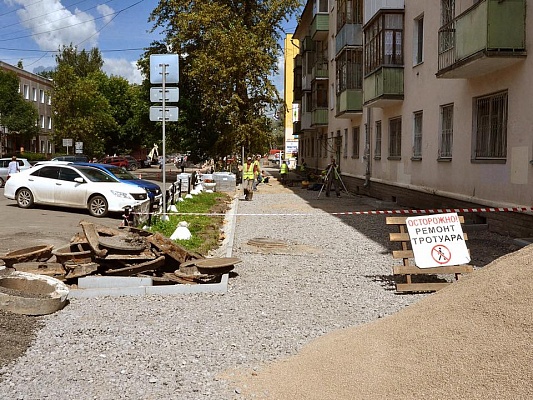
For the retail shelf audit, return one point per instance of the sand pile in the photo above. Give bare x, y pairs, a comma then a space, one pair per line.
471, 340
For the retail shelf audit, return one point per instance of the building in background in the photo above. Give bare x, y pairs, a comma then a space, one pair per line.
423, 103
36, 90
291, 140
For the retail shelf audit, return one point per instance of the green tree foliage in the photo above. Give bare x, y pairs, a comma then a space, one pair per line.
81, 111
16, 114
229, 50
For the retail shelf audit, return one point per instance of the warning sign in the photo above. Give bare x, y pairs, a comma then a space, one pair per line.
437, 240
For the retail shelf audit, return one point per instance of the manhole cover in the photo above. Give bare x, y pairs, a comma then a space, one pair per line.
267, 243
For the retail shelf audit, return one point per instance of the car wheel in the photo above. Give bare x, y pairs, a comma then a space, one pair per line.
98, 206
24, 198
2, 183
133, 167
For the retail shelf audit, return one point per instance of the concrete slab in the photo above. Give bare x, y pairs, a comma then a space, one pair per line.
93, 282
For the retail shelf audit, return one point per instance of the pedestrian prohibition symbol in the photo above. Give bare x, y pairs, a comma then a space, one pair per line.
437, 240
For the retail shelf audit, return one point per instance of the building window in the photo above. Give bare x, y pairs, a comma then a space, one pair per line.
349, 72
377, 146
26, 90
356, 133
319, 94
446, 131
49, 99
41, 118
417, 135
349, 12
490, 127
384, 42
41, 96
320, 6
395, 138
49, 122
447, 11
418, 40
34, 94
345, 144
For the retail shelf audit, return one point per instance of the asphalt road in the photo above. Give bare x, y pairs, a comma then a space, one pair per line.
21, 228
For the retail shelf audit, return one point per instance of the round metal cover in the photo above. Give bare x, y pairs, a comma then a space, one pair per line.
267, 242
121, 243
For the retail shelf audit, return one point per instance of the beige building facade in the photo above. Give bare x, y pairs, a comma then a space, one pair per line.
424, 103
36, 90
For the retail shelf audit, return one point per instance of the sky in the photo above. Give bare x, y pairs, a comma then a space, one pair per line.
33, 30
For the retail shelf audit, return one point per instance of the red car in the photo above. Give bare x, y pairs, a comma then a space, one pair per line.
118, 161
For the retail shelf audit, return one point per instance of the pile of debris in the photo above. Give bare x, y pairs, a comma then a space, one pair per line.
128, 251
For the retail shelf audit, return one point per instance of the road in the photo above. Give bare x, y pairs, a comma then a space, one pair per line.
40, 225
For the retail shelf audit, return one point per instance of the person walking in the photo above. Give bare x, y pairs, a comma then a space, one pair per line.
248, 177
284, 172
13, 167
257, 172
333, 178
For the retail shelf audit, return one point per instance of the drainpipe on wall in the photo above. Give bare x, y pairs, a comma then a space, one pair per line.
367, 146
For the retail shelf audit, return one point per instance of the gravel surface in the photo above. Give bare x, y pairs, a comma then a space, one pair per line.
334, 272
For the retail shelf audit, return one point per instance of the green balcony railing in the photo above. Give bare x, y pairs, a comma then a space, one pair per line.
319, 116
349, 101
320, 27
490, 28
384, 84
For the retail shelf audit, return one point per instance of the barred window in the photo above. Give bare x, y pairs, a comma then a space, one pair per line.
356, 134
446, 131
490, 126
395, 137
417, 135
349, 12
377, 147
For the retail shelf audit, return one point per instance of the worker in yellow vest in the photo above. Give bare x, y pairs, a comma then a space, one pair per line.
284, 172
248, 177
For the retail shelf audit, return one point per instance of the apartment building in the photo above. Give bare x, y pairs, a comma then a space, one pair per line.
425, 103
36, 90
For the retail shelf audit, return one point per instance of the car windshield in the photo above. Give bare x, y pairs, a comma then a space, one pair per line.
96, 175
122, 174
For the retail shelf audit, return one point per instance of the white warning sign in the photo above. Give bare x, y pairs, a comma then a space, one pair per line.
437, 240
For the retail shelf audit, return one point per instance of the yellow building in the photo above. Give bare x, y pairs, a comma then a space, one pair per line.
291, 141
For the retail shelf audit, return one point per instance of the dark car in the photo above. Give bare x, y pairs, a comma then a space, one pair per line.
118, 161
133, 164
154, 191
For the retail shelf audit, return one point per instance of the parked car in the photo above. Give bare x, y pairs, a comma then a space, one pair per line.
75, 186
119, 161
154, 191
4, 162
78, 157
132, 163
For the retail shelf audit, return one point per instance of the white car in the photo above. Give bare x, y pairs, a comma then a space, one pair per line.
4, 162
75, 186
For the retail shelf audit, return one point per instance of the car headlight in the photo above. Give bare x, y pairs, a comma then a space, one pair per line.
123, 195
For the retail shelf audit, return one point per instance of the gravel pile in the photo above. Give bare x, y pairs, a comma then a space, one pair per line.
334, 272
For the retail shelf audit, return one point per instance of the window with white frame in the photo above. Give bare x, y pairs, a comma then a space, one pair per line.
384, 41
34, 94
41, 118
41, 96
395, 138
418, 48
490, 127
49, 125
356, 134
377, 145
417, 135
26, 90
446, 131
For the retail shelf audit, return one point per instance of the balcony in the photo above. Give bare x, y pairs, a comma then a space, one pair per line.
319, 117
349, 103
320, 27
307, 44
349, 35
384, 87
320, 70
489, 36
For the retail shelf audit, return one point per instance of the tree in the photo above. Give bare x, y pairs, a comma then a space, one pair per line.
81, 111
229, 50
16, 114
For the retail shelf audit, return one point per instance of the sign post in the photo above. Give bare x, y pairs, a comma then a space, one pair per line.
437, 240
169, 66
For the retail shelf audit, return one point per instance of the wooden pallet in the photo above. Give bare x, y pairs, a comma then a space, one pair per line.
409, 269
